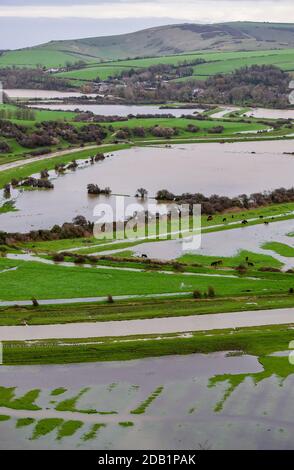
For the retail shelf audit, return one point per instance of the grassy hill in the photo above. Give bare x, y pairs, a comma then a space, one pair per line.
159, 41
215, 62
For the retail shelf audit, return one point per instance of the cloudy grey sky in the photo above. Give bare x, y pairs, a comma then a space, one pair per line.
29, 22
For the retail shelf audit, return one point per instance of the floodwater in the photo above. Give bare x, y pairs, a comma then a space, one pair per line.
119, 109
194, 408
271, 113
44, 94
217, 321
227, 169
227, 243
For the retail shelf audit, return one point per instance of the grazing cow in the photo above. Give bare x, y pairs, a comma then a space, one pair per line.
144, 256
266, 223
224, 220
250, 263
209, 218
244, 222
261, 216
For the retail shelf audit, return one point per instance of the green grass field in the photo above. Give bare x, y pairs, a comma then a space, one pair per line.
140, 309
216, 62
33, 279
44, 57
259, 341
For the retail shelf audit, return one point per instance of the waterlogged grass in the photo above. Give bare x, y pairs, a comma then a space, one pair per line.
8, 206
63, 428
258, 341
243, 257
25, 402
137, 309
92, 434
58, 391
4, 418
126, 424
24, 422
70, 403
279, 367
46, 426
280, 248
141, 409
68, 428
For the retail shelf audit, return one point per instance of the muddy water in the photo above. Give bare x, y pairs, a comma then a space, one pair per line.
148, 326
184, 415
119, 109
228, 243
44, 94
271, 113
228, 169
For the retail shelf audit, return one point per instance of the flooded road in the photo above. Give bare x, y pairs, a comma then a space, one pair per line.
149, 326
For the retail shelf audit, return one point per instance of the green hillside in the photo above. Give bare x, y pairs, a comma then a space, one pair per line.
220, 62
159, 41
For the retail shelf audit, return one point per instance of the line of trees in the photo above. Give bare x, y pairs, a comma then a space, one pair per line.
218, 204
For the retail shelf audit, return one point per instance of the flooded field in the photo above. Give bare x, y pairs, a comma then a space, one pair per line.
44, 94
161, 403
228, 169
119, 109
271, 113
228, 243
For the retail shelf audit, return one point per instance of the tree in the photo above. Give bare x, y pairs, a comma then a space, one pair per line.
142, 193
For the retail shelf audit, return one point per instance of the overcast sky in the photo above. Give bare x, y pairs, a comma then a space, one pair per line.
29, 22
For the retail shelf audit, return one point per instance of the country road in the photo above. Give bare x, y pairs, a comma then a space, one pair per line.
19, 163
148, 326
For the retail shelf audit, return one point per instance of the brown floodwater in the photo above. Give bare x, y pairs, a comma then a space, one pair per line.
224, 169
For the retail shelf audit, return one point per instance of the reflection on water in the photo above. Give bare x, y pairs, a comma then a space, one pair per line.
229, 169
218, 401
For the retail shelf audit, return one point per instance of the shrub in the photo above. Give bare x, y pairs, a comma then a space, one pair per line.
197, 294
210, 292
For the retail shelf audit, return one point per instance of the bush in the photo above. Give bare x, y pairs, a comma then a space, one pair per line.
210, 292
58, 257
197, 294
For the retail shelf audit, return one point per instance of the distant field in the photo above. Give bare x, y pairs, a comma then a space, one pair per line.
216, 62
44, 57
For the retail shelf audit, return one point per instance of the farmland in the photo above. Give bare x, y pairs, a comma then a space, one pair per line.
221, 62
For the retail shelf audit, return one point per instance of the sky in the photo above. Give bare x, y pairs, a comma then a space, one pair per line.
30, 22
